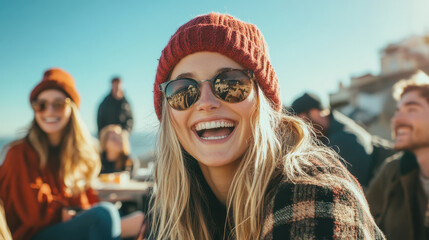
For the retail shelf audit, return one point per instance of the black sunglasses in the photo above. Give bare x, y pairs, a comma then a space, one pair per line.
57, 105
231, 85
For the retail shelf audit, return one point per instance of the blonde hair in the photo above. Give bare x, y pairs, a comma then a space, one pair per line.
282, 148
126, 149
418, 82
115, 128
4, 230
80, 162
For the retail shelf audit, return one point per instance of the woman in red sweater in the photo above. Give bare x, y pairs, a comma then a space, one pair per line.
46, 177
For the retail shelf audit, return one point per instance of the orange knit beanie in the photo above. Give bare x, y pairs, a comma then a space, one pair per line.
56, 78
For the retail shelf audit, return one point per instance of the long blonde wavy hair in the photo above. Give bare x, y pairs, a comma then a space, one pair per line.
282, 146
80, 162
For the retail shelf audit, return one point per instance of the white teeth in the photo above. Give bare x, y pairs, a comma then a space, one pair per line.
401, 130
214, 124
51, 119
214, 138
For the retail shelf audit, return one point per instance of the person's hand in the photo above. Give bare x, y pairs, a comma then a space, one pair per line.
68, 213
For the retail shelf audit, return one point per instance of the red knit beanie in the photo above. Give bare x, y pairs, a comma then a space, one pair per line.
56, 78
240, 41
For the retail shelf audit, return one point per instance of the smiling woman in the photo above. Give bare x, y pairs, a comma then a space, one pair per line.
230, 164
46, 177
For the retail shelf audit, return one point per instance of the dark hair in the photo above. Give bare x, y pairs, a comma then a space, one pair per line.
116, 79
305, 103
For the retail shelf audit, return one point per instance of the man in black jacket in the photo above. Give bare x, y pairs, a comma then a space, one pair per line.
115, 108
362, 152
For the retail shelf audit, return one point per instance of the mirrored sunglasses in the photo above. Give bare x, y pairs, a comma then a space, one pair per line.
231, 85
57, 105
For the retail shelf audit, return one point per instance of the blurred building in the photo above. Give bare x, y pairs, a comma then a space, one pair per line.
368, 100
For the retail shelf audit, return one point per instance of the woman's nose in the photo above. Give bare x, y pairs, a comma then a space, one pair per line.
207, 101
50, 108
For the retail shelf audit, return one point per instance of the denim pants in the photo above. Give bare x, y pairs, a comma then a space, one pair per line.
99, 222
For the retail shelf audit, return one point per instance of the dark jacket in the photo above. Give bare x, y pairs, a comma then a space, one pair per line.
362, 153
113, 111
127, 163
394, 195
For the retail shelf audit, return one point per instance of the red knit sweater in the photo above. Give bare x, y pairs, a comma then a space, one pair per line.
33, 197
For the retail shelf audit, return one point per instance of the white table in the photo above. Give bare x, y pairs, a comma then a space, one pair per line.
129, 191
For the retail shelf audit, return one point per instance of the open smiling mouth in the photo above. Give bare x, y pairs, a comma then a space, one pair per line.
214, 130
51, 119
402, 130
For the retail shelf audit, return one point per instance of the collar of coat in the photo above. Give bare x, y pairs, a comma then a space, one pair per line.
407, 163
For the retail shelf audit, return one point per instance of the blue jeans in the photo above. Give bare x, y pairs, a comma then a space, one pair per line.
99, 222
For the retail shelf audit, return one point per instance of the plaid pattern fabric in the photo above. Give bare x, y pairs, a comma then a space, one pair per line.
322, 208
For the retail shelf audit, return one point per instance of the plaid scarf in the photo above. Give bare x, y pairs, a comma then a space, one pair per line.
320, 207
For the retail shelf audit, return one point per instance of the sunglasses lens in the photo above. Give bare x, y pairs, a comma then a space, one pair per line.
233, 86
58, 105
38, 106
182, 93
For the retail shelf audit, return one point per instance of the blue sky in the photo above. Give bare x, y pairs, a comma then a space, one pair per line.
314, 44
